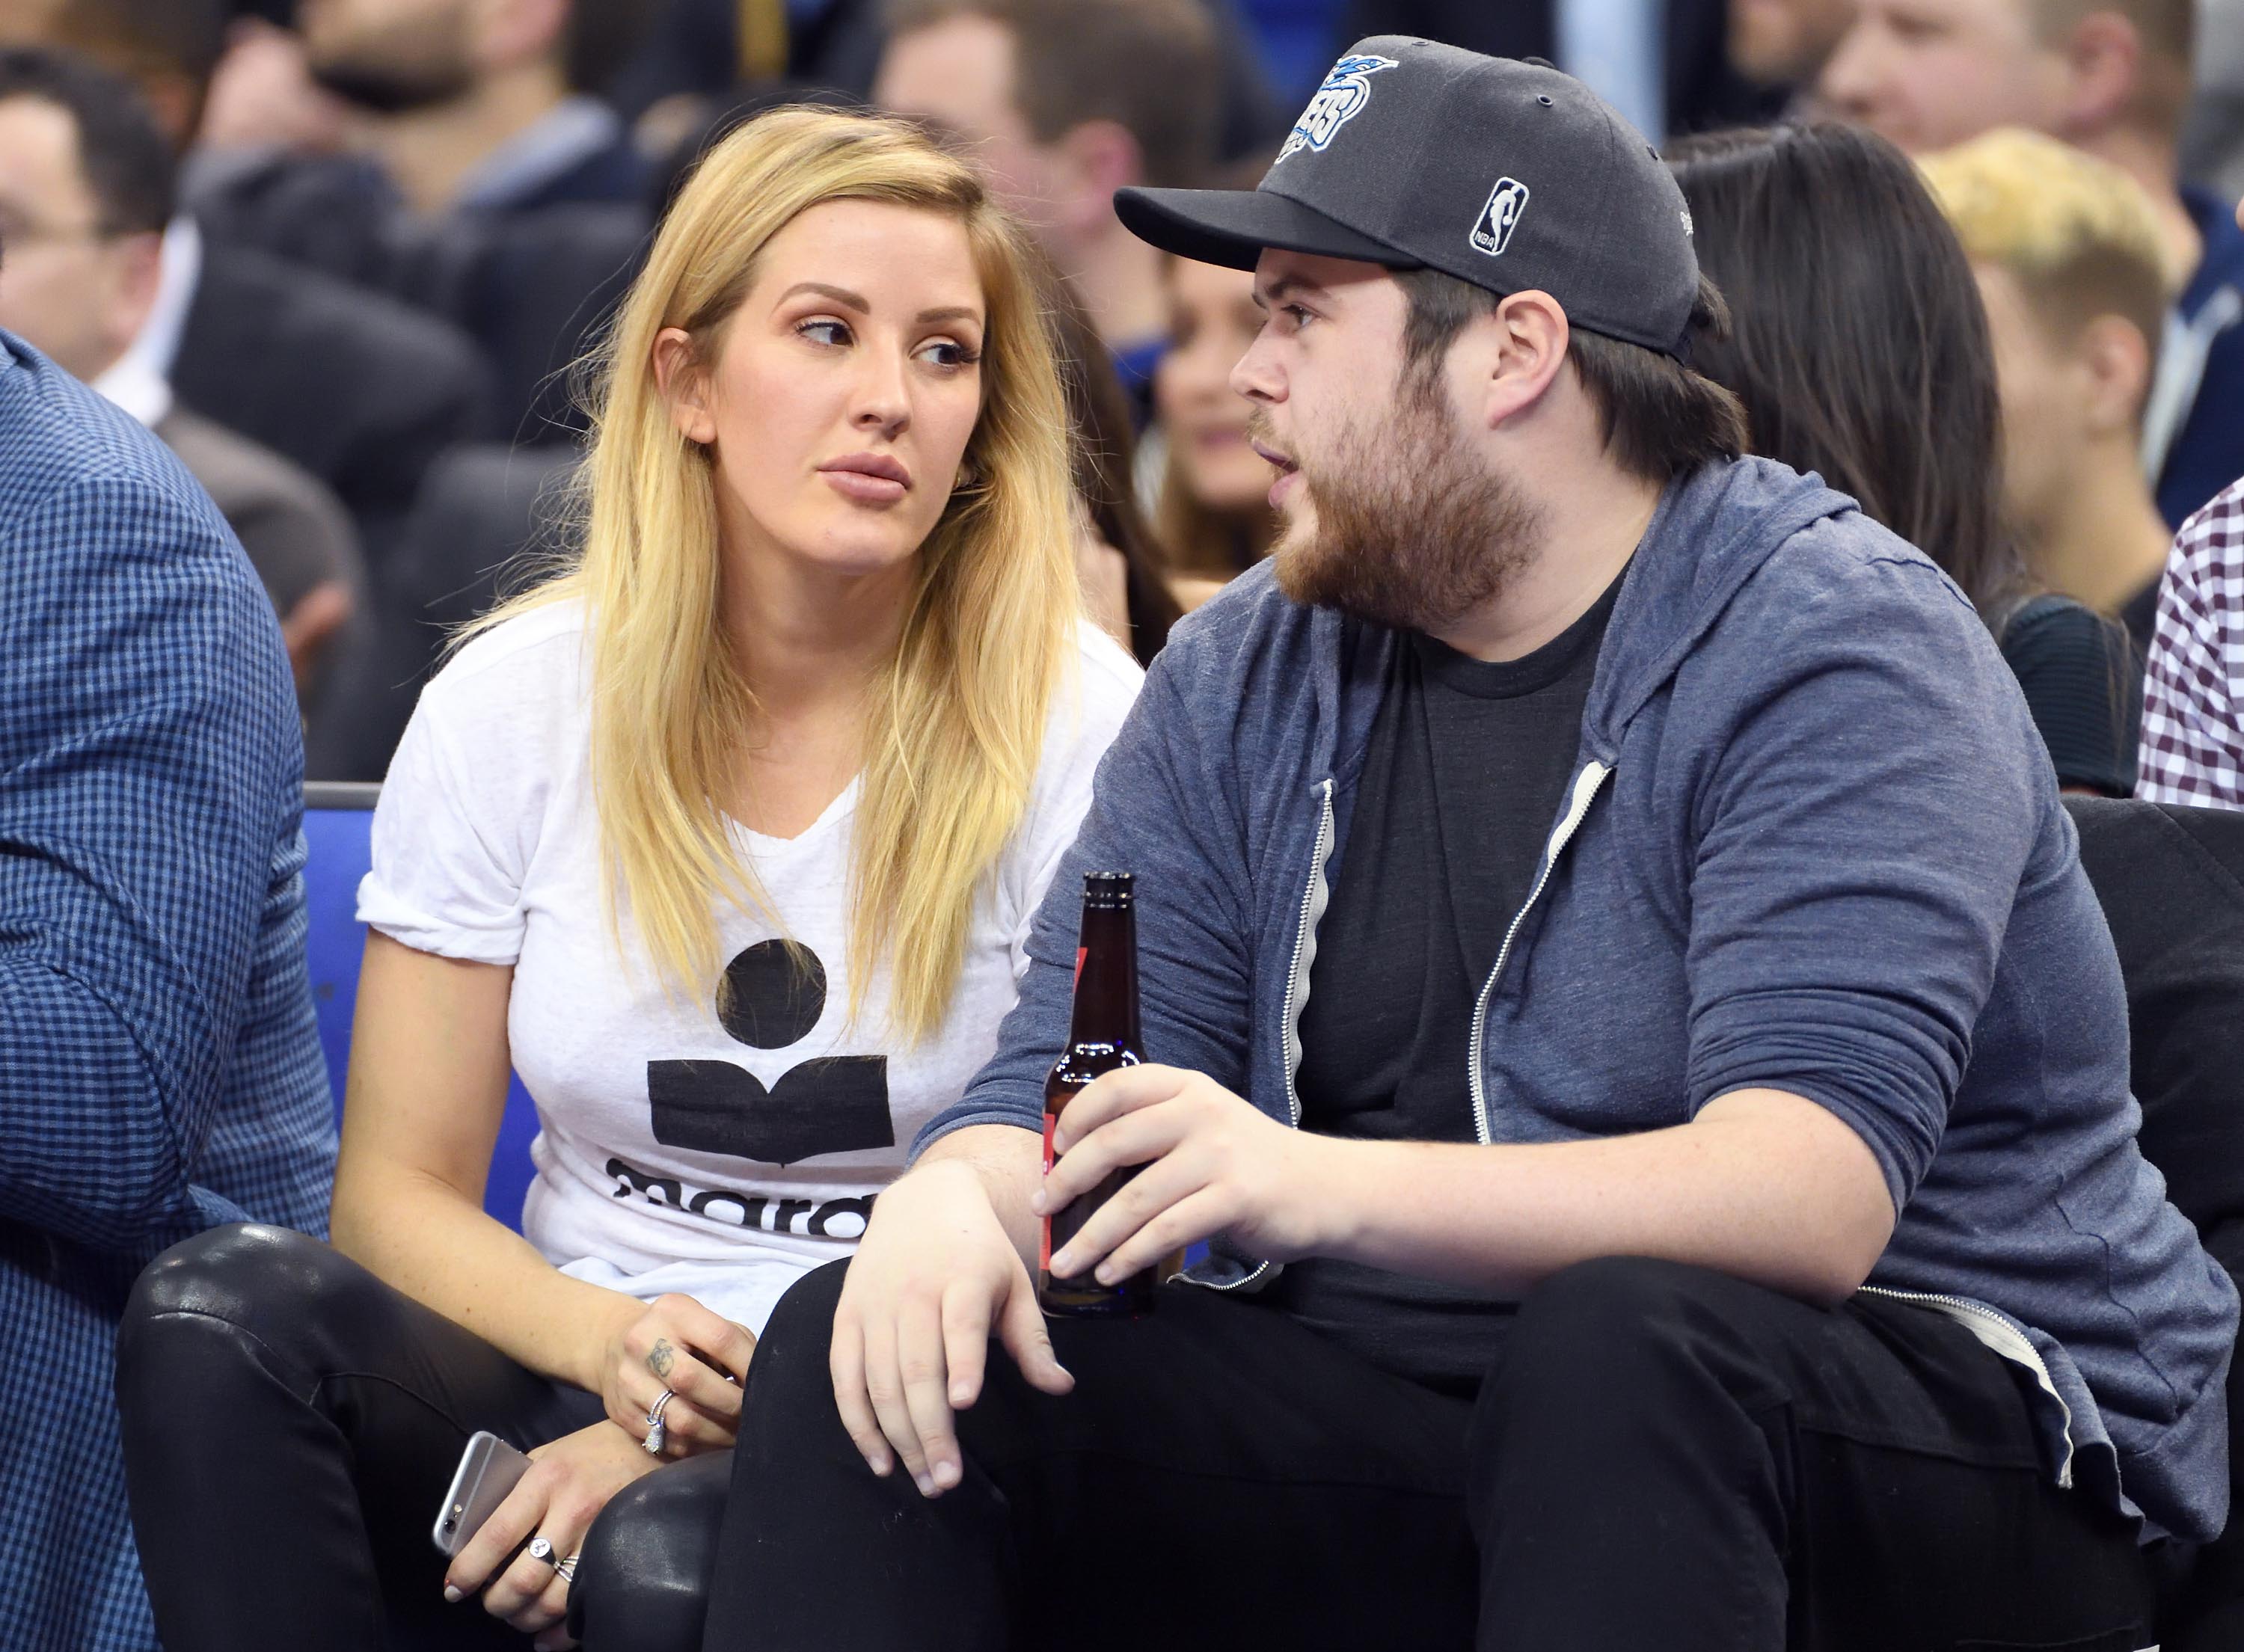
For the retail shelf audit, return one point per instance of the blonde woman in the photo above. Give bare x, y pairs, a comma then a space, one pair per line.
727, 839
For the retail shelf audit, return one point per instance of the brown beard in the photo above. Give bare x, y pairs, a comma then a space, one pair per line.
1412, 530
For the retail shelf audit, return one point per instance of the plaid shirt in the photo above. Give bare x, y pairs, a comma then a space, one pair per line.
159, 1069
2193, 745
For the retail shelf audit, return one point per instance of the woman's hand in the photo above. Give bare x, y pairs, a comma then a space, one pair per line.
678, 1344
570, 1481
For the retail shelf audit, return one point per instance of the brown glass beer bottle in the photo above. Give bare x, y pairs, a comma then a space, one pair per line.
1102, 1036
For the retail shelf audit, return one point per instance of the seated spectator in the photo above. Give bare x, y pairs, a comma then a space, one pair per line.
1782, 45
85, 188
1121, 564
1663, 63
2193, 689
1573, 872
1065, 102
2113, 79
2065, 249
727, 839
362, 391
1861, 352
462, 106
159, 1069
1215, 515
485, 185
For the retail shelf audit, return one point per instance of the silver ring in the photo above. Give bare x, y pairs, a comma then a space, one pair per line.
542, 1550
567, 1568
656, 1433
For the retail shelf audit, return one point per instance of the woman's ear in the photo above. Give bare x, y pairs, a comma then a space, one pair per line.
684, 384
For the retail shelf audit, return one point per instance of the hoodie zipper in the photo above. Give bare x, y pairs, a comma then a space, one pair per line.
1314, 899
1999, 1335
1315, 895
1586, 785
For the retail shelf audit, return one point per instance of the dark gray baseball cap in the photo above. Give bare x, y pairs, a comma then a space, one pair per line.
1505, 173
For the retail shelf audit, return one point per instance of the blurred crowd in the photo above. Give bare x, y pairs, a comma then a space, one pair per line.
348, 257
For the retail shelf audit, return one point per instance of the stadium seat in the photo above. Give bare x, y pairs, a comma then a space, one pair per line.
2171, 881
338, 821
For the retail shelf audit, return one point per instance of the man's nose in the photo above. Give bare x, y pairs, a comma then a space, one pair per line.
1849, 79
1256, 376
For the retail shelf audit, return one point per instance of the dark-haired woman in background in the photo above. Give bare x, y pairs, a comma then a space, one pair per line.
1860, 351
1215, 513
1118, 556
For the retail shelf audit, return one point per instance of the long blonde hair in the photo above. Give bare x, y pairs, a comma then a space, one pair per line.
956, 724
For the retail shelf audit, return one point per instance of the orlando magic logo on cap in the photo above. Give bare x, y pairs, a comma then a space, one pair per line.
1343, 95
1391, 164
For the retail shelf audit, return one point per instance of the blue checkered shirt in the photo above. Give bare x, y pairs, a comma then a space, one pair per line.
160, 1070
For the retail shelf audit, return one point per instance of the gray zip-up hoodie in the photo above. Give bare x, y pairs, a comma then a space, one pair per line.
1812, 843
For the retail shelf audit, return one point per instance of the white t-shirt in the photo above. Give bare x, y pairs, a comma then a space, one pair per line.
722, 1158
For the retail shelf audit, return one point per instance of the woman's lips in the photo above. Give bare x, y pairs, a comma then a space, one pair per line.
871, 490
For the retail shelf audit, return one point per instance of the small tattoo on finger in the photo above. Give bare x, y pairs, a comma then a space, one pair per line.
662, 1358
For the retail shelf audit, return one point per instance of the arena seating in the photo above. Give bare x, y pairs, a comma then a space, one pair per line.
338, 819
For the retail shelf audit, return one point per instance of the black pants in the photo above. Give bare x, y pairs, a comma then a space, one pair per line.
1663, 1458
291, 1425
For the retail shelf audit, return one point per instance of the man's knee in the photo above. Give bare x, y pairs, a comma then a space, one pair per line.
792, 1354
643, 1576
806, 1309
1614, 1329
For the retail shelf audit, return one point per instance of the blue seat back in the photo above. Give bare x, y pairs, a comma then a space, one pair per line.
338, 822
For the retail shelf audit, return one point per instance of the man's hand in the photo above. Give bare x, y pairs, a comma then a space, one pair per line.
1213, 1164
933, 1273
570, 1481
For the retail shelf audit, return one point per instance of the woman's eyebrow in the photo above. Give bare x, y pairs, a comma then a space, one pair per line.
860, 303
841, 295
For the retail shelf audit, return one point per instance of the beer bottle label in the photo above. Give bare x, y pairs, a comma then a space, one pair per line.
1044, 1257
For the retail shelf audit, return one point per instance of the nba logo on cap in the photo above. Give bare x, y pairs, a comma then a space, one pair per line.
1500, 216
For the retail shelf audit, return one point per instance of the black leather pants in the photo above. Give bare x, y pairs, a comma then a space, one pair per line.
290, 1424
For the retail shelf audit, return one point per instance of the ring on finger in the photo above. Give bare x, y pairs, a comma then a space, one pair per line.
657, 1432
540, 1549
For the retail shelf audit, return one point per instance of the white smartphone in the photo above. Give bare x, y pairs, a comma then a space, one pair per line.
488, 1470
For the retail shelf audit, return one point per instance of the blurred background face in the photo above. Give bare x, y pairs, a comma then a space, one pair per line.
1213, 323
27, 21
860, 337
70, 288
1786, 42
1928, 74
958, 73
390, 55
2044, 400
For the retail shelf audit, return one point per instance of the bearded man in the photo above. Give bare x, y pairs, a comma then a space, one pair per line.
1633, 1022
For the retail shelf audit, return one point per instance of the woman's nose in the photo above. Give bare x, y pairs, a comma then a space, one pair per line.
883, 400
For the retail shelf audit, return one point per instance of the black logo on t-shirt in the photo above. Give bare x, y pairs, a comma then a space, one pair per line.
771, 996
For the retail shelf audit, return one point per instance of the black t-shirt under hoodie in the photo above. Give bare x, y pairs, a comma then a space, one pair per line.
1467, 764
